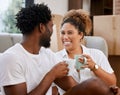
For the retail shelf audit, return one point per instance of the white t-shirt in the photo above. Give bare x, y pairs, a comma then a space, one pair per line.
0, 87
18, 66
98, 57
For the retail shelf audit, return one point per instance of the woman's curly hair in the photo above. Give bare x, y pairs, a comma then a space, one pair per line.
28, 18
80, 19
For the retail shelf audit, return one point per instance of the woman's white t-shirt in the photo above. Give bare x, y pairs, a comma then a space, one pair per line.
98, 57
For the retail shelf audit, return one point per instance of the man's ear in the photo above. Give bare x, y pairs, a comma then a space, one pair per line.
41, 27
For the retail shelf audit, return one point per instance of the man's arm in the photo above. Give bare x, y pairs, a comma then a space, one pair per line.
58, 71
66, 82
21, 89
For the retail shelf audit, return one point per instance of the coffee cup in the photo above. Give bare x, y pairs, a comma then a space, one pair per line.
71, 65
78, 64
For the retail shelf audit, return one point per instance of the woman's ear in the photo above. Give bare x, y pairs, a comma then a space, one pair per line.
81, 35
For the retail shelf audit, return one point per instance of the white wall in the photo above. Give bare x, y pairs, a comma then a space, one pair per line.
86, 5
56, 6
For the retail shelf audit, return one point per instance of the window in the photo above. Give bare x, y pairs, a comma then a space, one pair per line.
8, 9
28, 2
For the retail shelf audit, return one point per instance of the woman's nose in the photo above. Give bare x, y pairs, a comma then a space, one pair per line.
65, 36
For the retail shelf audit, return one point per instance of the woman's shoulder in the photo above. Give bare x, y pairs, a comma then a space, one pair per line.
92, 51
95, 51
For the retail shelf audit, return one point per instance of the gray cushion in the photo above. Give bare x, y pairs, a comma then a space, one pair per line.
5, 41
97, 43
16, 38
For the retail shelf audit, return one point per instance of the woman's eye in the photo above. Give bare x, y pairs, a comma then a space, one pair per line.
62, 32
70, 32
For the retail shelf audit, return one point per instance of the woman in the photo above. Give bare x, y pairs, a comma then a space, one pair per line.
76, 24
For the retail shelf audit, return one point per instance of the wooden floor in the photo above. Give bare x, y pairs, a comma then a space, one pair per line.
115, 63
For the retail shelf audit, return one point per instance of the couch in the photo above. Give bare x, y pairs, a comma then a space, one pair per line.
7, 40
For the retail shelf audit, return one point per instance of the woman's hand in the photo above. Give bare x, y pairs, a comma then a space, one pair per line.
89, 62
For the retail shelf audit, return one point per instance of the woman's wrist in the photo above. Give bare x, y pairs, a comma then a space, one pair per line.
94, 68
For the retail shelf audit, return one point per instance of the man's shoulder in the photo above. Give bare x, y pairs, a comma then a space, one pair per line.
11, 52
61, 53
13, 48
46, 50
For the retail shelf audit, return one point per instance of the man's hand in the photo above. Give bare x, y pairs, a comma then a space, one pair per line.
115, 90
60, 70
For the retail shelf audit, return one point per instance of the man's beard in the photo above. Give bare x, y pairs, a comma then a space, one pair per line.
45, 39
45, 42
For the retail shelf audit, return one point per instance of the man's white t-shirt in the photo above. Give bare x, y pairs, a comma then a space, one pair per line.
19, 66
98, 57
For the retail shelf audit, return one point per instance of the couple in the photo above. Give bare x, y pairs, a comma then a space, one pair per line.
28, 68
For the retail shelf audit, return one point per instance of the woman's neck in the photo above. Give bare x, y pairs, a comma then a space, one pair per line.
73, 52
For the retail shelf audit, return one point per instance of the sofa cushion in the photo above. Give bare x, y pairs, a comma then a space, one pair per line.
97, 42
5, 41
16, 38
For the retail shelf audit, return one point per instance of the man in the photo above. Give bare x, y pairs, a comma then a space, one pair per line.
28, 68
93, 86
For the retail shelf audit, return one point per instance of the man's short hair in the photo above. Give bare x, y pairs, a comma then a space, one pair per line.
30, 17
